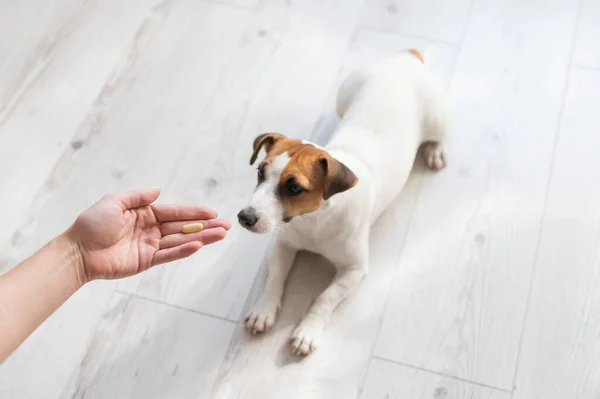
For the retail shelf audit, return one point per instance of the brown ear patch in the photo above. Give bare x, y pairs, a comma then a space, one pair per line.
338, 177
266, 140
417, 54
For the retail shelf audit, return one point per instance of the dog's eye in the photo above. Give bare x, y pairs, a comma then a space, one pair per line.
261, 173
295, 189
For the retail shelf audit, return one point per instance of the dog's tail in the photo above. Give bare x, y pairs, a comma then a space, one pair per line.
426, 56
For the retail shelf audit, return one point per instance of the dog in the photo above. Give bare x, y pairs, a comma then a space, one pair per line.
324, 200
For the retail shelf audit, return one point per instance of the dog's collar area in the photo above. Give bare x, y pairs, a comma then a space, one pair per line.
326, 205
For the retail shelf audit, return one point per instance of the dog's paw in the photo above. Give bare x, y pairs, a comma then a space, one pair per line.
262, 317
435, 159
305, 338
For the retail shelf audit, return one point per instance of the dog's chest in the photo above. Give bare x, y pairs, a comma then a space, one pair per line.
317, 233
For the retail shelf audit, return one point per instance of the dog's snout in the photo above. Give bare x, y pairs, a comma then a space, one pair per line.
248, 217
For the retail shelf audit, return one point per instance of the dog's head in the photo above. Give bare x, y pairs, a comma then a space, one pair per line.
294, 178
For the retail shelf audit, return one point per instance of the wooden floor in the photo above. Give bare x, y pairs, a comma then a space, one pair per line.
485, 278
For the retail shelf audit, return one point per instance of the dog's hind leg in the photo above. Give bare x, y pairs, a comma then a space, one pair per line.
434, 155
436, 125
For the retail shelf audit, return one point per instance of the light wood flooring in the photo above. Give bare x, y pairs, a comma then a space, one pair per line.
485, 278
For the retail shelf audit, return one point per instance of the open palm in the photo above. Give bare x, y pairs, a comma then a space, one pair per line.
123, 234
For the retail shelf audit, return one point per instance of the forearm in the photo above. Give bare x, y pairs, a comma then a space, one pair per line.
34, 289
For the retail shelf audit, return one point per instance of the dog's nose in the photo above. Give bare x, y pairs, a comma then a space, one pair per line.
248, 217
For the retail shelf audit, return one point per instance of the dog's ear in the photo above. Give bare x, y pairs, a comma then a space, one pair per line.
338, 177
264, 140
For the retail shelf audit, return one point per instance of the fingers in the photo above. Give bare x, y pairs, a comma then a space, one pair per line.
208, 236
175, 227
179, 246
137, 198
172, 213
172, 254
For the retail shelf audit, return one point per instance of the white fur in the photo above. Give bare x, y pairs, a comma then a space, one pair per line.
313, 144
387, 111
264, 199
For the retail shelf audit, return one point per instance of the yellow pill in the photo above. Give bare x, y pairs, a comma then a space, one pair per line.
192, 228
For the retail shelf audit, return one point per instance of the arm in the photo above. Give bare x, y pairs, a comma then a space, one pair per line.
34, 289
119, 236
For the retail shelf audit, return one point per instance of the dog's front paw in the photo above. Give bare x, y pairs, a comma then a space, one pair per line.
305, 338
262, 316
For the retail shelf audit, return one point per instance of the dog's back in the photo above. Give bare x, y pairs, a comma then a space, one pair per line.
387, 110
400, 69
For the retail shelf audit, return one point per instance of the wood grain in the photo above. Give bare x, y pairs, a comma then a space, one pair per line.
25, 53
141, 349
393, 381
441, 20
560, 351
587, 51
55, 72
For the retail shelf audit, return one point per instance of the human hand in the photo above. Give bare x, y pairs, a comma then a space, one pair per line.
123, 234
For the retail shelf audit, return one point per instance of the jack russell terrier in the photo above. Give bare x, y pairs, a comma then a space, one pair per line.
324, 200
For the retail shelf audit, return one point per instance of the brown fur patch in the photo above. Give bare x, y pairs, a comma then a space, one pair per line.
304, 170
319, 175
417, 54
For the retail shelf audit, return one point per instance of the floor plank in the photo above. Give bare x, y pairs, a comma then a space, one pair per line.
561, 347
23, 52
54, 74
133, 137
442, 20
278, 81
476, 224
250, 4
264, 366
587, 51
387, 380
99, 96
141, 349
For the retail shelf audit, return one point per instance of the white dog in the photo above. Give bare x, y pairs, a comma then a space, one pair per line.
324, 200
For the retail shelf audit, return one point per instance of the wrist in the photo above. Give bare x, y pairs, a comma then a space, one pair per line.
72, 251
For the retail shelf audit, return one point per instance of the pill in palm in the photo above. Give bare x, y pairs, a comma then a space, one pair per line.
192, 228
